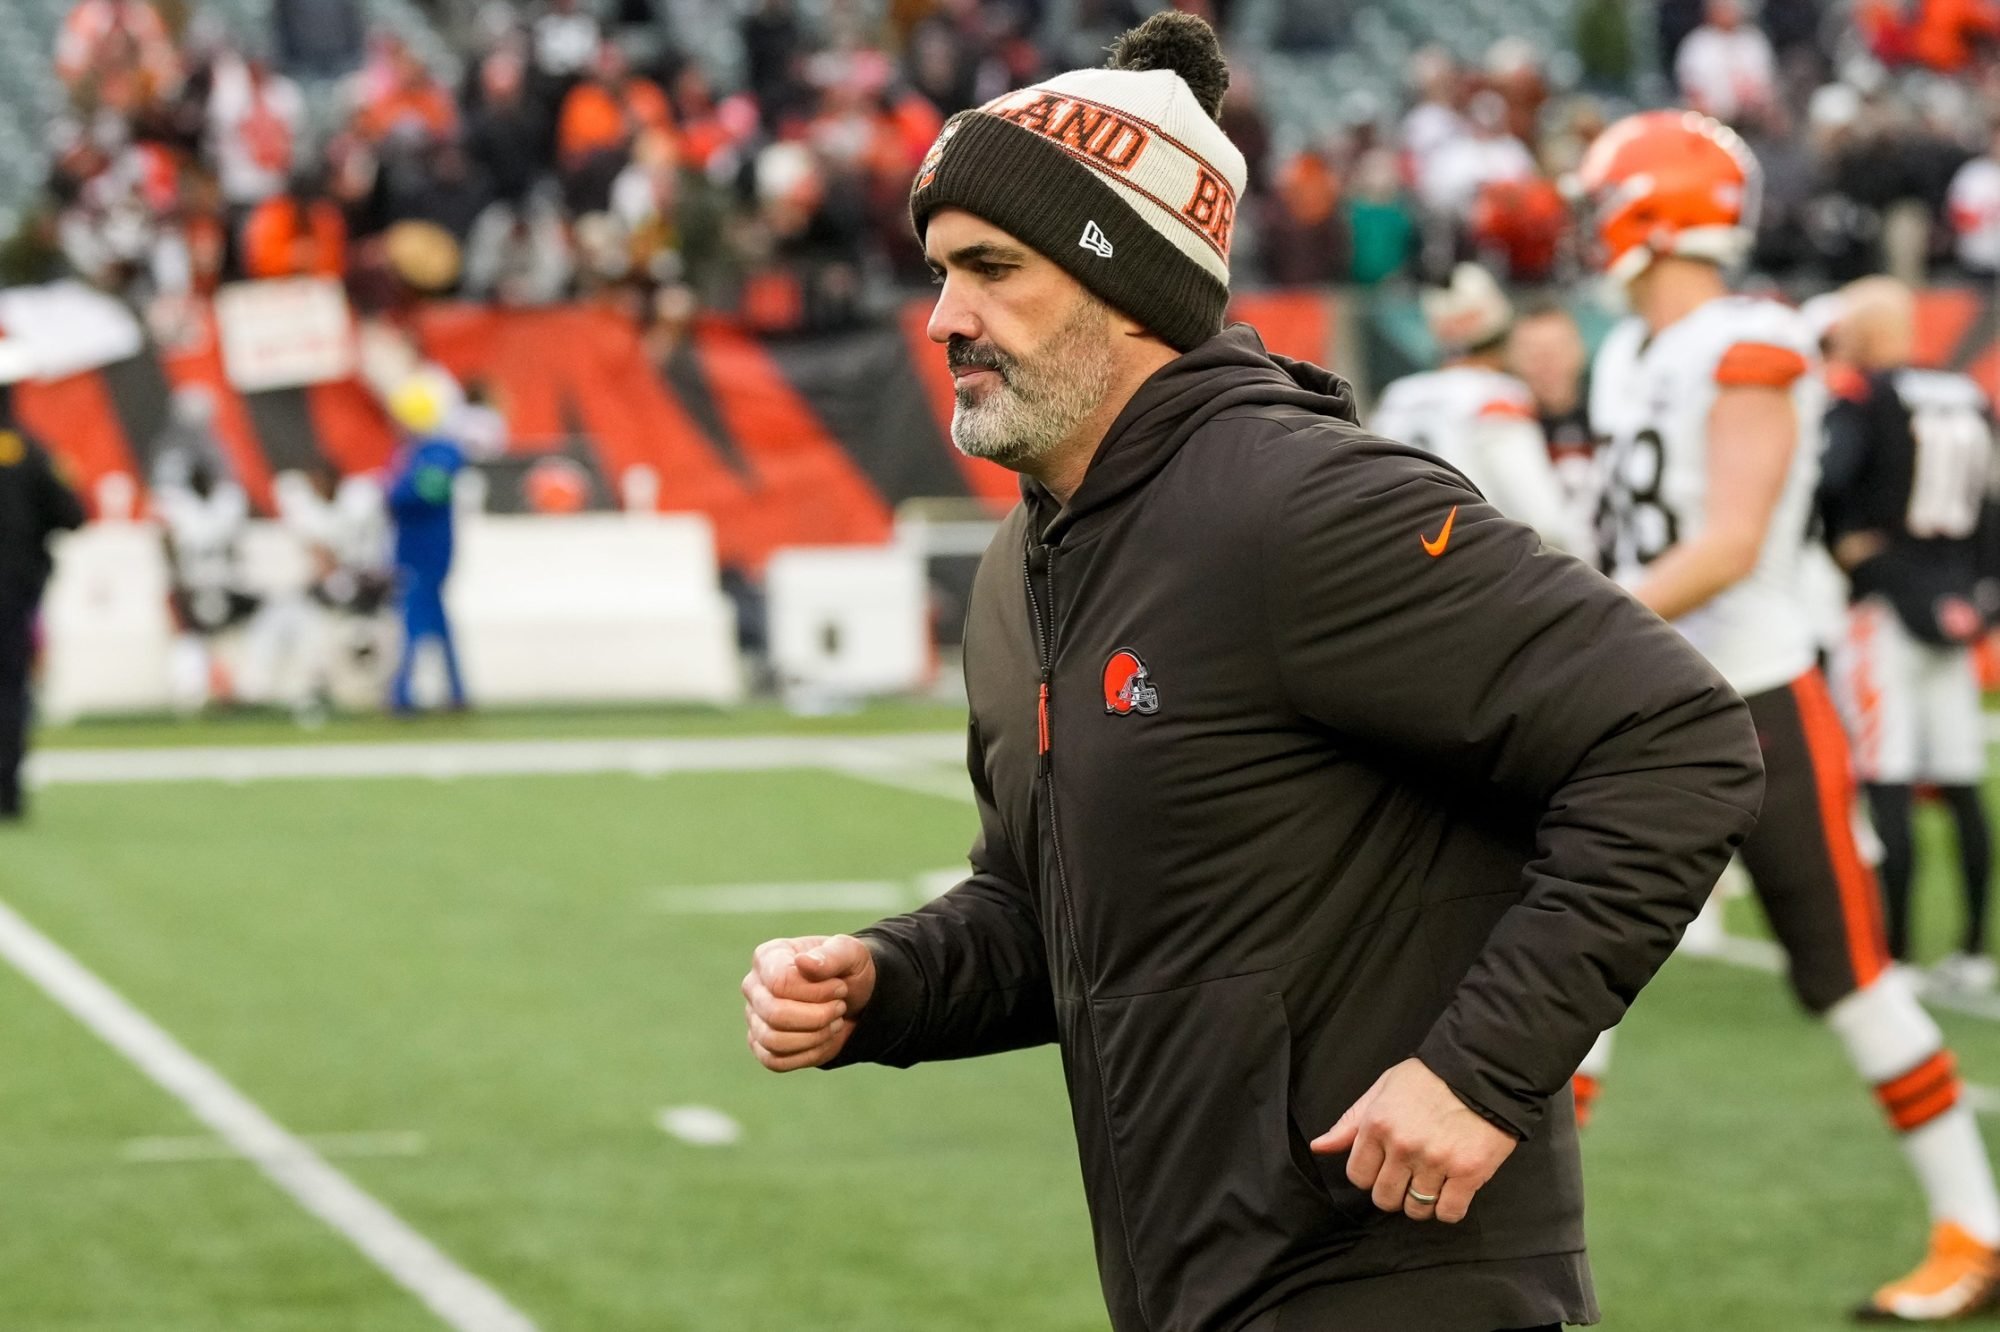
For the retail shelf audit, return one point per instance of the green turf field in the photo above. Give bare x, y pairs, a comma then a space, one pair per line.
505, 967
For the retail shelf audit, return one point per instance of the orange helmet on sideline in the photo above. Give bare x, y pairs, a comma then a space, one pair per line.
1670, 182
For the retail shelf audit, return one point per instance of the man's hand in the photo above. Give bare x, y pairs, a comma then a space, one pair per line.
1410, 1132
800, 996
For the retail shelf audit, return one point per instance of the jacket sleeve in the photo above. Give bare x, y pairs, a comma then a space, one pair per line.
965, 974
1515, 677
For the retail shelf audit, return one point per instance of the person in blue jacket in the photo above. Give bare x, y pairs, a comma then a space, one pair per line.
420, 505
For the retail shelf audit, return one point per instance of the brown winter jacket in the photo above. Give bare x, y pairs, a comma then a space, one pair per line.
1337, 766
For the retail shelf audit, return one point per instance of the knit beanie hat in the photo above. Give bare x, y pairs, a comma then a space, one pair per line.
1120, 175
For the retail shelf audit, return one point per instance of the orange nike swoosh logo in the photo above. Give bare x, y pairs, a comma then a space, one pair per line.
1436, 548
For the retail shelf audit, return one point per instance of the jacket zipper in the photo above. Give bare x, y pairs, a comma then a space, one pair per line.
1045, 652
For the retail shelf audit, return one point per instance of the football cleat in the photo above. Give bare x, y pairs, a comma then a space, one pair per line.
1958, 1278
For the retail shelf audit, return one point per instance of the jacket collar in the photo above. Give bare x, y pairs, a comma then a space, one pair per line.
1231, 369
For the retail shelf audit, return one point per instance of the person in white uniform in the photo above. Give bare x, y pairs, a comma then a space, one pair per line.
1711, 403
1477, 417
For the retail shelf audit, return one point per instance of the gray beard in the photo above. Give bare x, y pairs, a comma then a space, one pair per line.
1040, 401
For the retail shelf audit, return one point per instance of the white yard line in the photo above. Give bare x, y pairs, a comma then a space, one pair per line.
459, 1299
699, 1125
909, 751
742, 899
206, 1147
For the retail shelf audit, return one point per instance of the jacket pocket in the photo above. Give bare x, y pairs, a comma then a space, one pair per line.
1200, 1163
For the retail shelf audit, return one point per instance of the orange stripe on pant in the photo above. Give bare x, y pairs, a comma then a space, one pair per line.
1860, 899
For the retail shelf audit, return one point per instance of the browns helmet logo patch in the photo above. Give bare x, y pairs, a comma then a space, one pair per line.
1128, 687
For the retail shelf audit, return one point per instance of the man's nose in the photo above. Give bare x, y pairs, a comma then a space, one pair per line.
952, 316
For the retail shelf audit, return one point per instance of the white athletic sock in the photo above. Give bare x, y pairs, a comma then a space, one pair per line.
1894, 1044
1950, 1160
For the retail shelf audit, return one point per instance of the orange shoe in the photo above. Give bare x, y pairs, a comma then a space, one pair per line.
1960, 1276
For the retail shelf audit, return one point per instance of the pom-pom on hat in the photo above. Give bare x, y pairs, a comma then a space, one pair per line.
1120, 175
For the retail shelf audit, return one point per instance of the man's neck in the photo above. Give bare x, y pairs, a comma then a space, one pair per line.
1674, 288
1061, 470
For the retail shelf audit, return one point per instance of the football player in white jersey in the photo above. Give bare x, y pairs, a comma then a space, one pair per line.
1476, 416
1906, 495
1711, 404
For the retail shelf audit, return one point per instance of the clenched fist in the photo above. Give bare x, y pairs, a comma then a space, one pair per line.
801, 997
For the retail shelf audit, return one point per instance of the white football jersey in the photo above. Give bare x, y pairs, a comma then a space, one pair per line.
1484, 424
1650, 397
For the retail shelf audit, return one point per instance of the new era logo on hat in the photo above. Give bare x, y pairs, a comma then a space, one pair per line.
1095, 241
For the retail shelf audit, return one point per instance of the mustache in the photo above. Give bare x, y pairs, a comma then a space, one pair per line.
965, 354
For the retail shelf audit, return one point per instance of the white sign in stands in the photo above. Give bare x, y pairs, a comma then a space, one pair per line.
284, 333
65, 328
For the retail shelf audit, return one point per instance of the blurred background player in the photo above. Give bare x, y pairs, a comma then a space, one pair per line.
1906, 495
1475, 415
1545, 350
204, 514
343, 525
34, 504
1712, 411
420, 504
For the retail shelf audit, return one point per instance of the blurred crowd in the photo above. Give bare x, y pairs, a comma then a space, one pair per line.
579, 154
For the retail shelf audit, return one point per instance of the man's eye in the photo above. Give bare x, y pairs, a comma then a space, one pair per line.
993, 272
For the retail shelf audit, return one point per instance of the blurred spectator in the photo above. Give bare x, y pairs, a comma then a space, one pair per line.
1307, 237
506, 136
297, 233
449, 191
1974, 212
1380, 228
113, 230
320, 39
1514, 71
403, 100
116, 53
600, 118
254, 120
1435, 120
566, 40
519, 253
1518, 226
1942, 35
774, 59
1726, 67
1459, 168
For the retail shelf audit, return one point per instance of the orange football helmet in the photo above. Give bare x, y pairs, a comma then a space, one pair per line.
1670, 182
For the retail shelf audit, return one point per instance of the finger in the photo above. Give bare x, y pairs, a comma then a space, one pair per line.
1454, 1200
778, 970
837, 958
790, 1042
1340, 1137
791, 1015
1430, 1183
1392, 1184
1364, 1162
779, 1063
